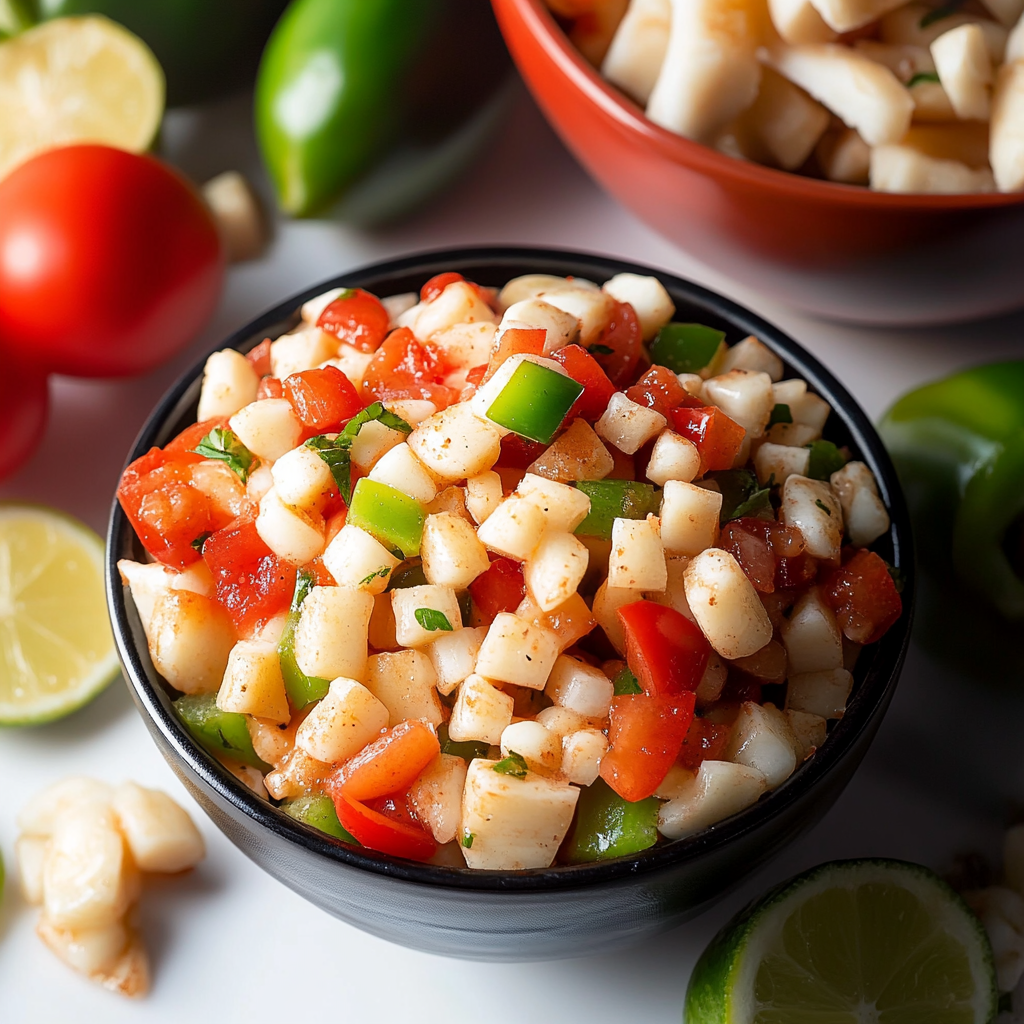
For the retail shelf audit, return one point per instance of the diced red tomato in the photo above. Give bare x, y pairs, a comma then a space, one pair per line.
358, 318
519, 452
322, 399
718, 438
515, 341
475, 375
500, 589
646, 734
165, 510
751, 551
269, 387
623, 337
320, 572
378, 832
334, 521
251, 582
664, 650
658, 389
259, 358
403, 368
586, 370
864, 597
704, 741
181, 448
390, 763
437, 284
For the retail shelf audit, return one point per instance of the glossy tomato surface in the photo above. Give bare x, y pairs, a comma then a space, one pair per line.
109, 262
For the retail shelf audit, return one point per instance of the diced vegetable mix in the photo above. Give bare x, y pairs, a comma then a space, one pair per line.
909, 96
494, 582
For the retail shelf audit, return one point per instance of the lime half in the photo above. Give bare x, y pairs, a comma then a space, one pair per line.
75, 80
852, 942
56, 648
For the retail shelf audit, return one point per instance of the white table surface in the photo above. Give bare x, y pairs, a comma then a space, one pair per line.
228, 943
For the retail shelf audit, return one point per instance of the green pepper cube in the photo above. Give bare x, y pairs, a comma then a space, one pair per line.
319, 812
607, 826
616, 499
301, 689
534, 401
824, 460
686, 348
395, 519
223, 733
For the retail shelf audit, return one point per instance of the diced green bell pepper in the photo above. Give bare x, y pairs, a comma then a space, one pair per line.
616, 499
824, 460
686, 348
407, 576
301, 689
319, 812
223, 733
535, 401
395, 519
607, 826
741, 495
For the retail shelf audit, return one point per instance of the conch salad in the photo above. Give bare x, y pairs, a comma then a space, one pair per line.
924, 97
505, 578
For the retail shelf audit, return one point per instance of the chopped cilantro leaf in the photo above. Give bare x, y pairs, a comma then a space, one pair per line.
600, 350
223, 445
200, 541
825, 459
376, 411
467, 839
625, 683
922, 77
514, 765
382, 572
337, 455
431, 619
781, 413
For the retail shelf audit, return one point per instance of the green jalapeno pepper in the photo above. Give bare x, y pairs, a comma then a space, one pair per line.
401, 88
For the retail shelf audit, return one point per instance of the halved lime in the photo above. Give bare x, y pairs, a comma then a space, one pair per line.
75, 80
851, 942
56, 648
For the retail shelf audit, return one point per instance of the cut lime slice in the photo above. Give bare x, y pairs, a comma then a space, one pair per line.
56, 648
852, 942
75, 80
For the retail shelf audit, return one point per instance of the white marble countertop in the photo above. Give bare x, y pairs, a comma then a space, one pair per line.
228, 943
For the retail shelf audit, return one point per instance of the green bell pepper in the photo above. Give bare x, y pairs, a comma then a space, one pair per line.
958, 447
467, 749
406, 89
223, 733
384, 512
319, 812
301, 689
206, 47
607, 826
686, 348
534, 402
616, 499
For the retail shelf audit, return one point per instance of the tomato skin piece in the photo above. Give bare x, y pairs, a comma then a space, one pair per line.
500, 589
126, 267
664, 650
718, 438
658, 389
322, 399
359, 320
646, 735
586, 370
864, 597
390, 764
251, 582
624, 338
24, 405
259, 358
378, 832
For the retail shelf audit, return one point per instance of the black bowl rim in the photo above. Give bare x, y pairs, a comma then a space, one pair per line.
872, 694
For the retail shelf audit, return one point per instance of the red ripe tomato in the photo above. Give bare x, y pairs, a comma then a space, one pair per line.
181, 449
864, 597
110, 262
403, 368
24, 403
585, 370
437, 284
718, 438
259, 358
269, 387
519, 452
322, 399
658, 389
357, 318
515, 341
646, 734
377, 831
664, 650
751, 551
251, 582
704, 741
623, 337
165, 510
391, 763
500, 589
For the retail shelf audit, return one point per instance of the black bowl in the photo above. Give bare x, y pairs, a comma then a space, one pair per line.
541, 913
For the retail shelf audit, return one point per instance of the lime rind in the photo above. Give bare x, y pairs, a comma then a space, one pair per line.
724, 984
41, 708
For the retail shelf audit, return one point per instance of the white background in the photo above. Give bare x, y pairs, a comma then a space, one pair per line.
228, 943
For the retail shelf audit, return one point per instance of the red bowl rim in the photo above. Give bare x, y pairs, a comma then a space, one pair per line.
557, 47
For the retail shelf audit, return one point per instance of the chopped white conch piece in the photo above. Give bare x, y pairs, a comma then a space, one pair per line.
634, 59
453, 555
229, 384
673, 458
268, 428
303, 479
1006, 150
689, 517
480, 712
253, 684
454, 655
582, 752
798, 21
637, 560
647, 295
540, 748
190, 638
347, 718
405, 683
455, 444
844, 156
436, 796
516, 651
421, 613
719, 790
811, 636
330, 638
864, 513
355, 559
811, 507
580, 687
560, 328
745, 396
628, 425
904, 169
555, 569
822, 693
965, 70
159, 832
761, 738
400, 469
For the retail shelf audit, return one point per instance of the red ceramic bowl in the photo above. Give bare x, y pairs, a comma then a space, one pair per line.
839, 251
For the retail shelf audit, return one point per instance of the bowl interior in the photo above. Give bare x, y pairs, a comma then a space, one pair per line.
876, 672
